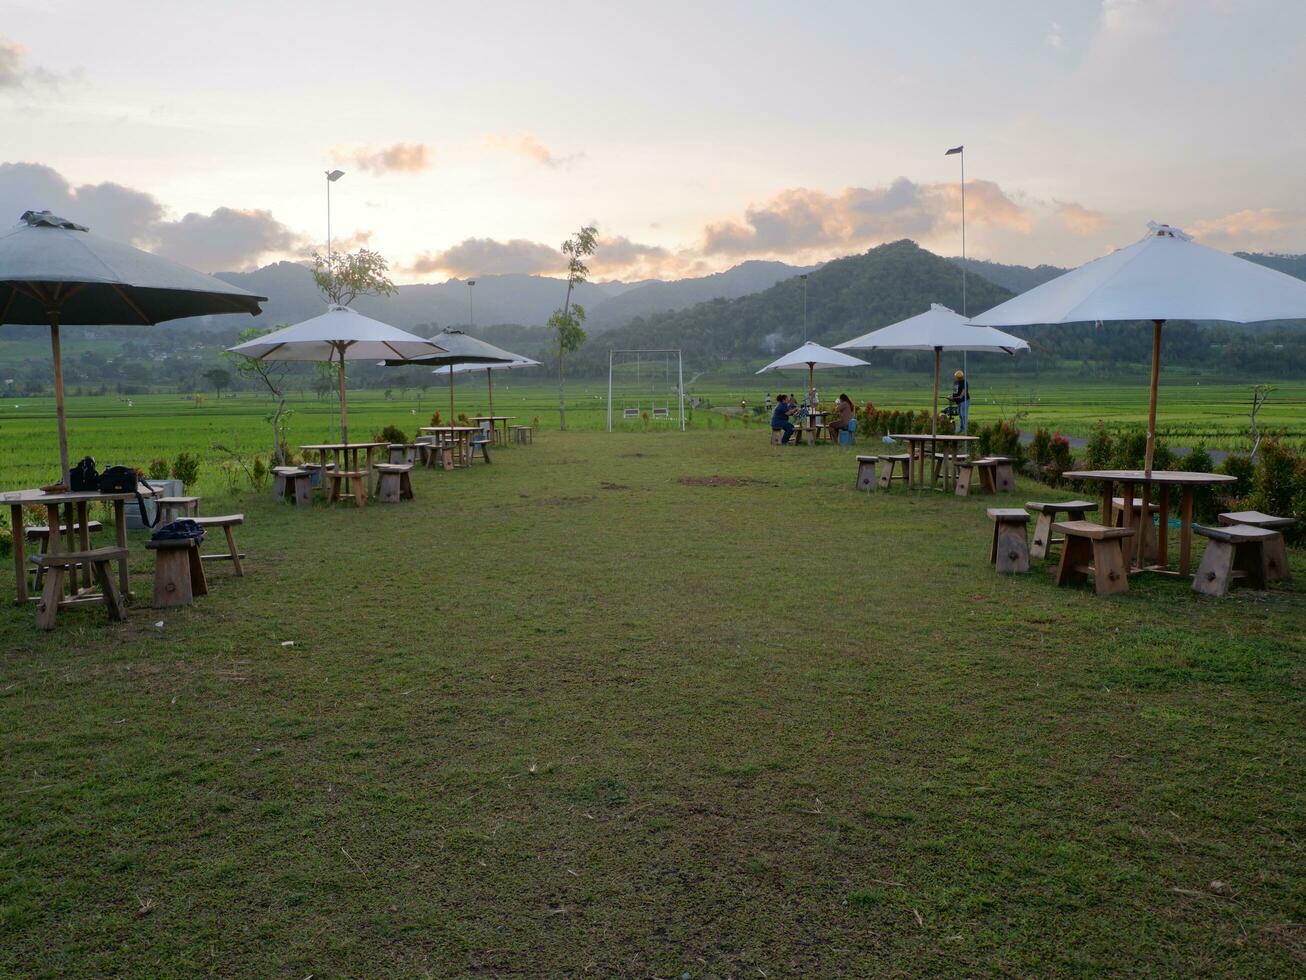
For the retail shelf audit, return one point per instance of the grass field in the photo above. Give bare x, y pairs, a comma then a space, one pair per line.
648, 704
136, 429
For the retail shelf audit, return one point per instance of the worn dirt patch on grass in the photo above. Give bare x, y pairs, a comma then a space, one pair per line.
722, 481
606, 485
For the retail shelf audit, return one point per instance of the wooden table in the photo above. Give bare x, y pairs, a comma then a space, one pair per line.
75, 512
1128, 479
916, 448
494, 420
461, 434
811, 426
346, 453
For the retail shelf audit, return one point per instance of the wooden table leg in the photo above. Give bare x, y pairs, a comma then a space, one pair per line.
1163, 528
84, 541
1144, 518
1106, 503
1185, 530
120, 538
19, 530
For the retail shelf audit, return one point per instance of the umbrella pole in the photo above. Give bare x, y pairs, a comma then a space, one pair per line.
934, 419
489, 384
60, 415
344, 410
1151, 398
451, 394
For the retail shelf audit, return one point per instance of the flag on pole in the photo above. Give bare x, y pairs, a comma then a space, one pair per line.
955, 149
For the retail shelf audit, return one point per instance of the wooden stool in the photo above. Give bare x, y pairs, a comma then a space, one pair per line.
55, 567
402, 452
347, 483
293, 485
483, 444
170, 508
866, 472
976, 475
393, 483
227, 522
1004, 474
521, 434
776, 436
1236, 552
1009, 551
178, 572
1129, 518
900, 461
40, 539
440, 453
1043, 541
1105, 545
1276, 551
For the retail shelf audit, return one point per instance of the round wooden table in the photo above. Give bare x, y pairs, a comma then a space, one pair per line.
916, 443
1128, 479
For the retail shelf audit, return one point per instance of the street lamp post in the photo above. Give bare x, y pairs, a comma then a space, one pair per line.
471, 311
960, 151
331, 177
803, 277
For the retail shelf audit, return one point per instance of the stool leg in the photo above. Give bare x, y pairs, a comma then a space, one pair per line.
1276, 561
1109, 574
1012, 552
48, 608
171, 579
113, 600
1249, 558
1216, 570
1074, 555
1042, 537
235, 555
199, 584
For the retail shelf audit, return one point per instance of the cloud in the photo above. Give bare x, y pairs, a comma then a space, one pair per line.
406, 158
800, 219
15, 75
529, 146
1056, 36
1079, 220
1253, 228
227, 239
489, 257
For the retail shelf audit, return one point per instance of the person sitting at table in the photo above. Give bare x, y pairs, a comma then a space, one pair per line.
784, 408
843, 414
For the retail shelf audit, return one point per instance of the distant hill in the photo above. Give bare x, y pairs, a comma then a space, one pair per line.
1293, 265
656, 297
1016, 278
846, 297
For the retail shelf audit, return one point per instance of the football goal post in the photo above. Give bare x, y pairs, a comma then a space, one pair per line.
646, 386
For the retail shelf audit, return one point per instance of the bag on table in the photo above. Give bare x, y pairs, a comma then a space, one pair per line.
124, 479
84, 477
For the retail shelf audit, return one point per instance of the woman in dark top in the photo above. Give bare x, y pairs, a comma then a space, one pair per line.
780, 417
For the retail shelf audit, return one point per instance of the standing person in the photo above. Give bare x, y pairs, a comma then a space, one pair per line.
843, 414
768, 401
961, 398
780, 418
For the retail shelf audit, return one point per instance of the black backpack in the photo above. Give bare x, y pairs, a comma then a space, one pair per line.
84, 477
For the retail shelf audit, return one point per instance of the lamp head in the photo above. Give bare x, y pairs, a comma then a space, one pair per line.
334, 175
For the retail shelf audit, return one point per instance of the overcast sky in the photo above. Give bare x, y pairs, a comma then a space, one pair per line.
476, 136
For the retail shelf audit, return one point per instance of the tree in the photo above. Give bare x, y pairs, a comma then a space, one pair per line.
218, 378
347, 275
272, 375
566, 323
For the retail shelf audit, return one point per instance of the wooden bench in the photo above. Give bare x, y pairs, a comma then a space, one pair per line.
1043, 541
178, 572
1122, 516
482, 443
170, 508
1004, 474
977, 474
866, 472
1276, 551
54, 568
899, 461
347, 483
1009, 551
226, 522
293, 485
522, 434
1107, 548
1232, 553
393, 483
39, 536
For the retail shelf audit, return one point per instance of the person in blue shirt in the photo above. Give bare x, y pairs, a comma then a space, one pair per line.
780, 418
961, 398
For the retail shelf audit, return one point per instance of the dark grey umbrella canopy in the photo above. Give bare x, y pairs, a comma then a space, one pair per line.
56, 272
50, 264
459, 348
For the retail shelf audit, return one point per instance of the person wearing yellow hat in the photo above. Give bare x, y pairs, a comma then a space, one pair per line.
960, 397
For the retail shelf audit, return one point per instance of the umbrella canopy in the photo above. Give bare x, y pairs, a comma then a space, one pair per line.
340, 334
53, 271
459, 348
465, 366
937, 329
1164, 276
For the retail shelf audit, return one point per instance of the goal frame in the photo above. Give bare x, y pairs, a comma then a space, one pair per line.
680, 378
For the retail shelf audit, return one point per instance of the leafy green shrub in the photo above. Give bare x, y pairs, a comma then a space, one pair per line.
435, 418
1207, 501
1040, 449
158, 469
186, 468
1100, 449
6, 541
392, 433
1279, 484
1060, 457
1130, 448
1000, 438
1242, 469
258, 473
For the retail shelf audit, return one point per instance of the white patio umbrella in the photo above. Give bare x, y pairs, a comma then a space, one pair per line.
467, 366
1165, 276
937, 329
340, 334
813, 356
459, 348
56, 272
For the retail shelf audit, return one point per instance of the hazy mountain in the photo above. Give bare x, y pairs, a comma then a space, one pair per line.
846, 297
1016, 278
1293, 265
655, 297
